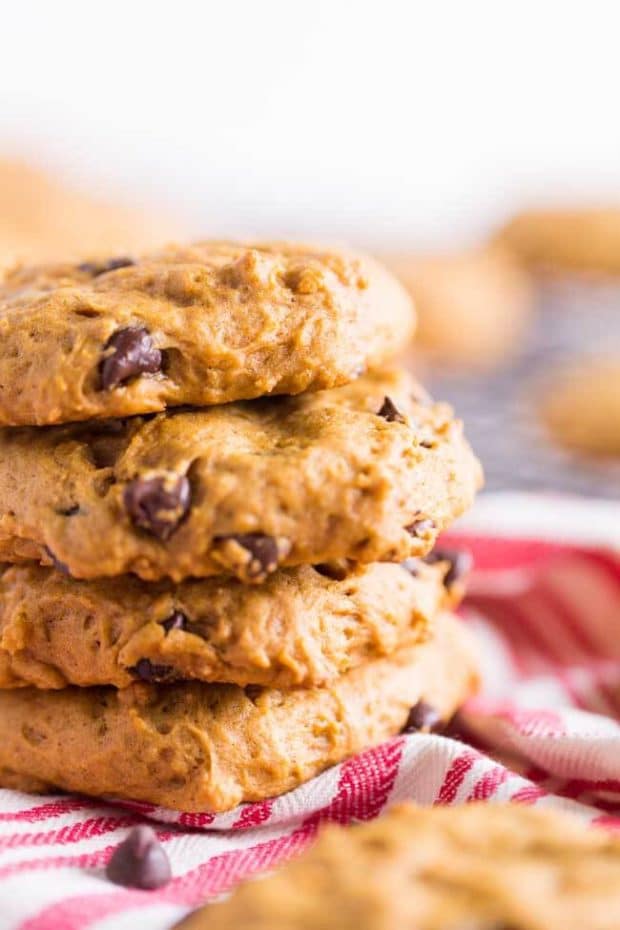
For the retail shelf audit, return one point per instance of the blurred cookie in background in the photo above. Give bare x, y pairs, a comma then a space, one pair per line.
42, 220
577, 239
581, 406
473, 306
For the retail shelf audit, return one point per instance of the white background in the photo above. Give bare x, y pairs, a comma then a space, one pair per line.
383, 122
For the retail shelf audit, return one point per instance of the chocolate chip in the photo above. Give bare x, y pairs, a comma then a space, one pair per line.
58, 565
158, 505
253, 692
421, 526
134, 354
336, 570
460, 562
140, 861
412, 566
149, 671
176, 621
68, 511
422, 716
104, 451
112, 264
390, 412
263, 552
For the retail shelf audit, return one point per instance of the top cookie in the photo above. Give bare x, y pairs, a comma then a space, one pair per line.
202, 324
473, 867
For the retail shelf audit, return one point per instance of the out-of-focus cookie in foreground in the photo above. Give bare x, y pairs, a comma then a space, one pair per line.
571, 239
474, 867
581, 406
473, 306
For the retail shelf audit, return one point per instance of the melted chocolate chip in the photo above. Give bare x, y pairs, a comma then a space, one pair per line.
460, 562
390, 412
149, 671
134, 354
420, 526
140, 861
263, 552
422, 716
176, 621
112, 264
412, 566
158, 505
58, 565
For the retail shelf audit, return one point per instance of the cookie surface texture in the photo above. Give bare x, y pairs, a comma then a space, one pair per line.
304, 626
371, 471
202, 747
201, 325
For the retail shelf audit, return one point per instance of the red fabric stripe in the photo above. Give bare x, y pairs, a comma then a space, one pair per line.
375, 776
455, 777
486, 786
46, 811
71, 833
528, 795
253, 815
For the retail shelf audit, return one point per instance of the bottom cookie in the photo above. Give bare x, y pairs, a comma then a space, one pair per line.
201, 747
473, 867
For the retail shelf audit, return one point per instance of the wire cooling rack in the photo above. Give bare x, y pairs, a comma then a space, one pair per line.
500, 408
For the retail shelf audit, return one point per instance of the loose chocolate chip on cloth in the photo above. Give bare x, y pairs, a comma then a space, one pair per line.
471, 867
422, 716
302, 627
140, 861
201, 324
240, 488
204, 747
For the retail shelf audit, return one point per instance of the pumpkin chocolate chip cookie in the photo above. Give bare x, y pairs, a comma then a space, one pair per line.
203, 324
578, 239
303, 627
371, 471
473, 306
207, 747
581, 405
476, 866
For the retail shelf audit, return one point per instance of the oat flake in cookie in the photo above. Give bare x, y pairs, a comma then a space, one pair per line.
201, 324
240, 489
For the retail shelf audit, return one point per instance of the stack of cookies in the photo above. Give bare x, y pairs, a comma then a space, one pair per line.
217, 516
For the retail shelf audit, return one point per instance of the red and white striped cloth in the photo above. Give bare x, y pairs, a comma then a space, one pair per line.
545, 604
